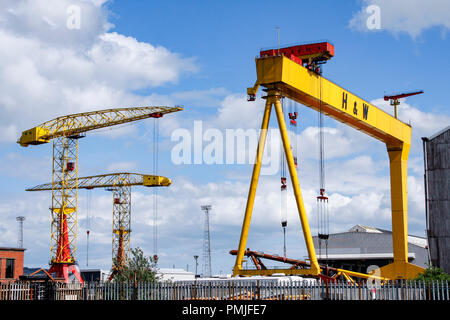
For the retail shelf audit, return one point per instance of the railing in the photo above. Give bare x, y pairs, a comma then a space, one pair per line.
227, 290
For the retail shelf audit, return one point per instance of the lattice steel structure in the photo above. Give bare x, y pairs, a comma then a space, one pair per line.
63, 211
65, 132
120, 184
206, 244
20, 219
121, 225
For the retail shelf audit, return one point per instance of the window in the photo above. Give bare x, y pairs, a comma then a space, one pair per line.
9, 271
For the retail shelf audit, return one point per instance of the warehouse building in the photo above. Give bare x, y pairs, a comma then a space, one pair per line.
436, 150
363, 247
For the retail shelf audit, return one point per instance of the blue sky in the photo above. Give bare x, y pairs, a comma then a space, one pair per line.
200, 54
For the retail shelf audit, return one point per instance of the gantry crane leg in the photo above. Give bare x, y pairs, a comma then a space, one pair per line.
273, 98
400, 268
253, 186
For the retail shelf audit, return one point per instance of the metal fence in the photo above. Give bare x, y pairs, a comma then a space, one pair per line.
227, 290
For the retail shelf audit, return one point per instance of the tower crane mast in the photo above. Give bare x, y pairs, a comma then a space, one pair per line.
65, 131
120, 184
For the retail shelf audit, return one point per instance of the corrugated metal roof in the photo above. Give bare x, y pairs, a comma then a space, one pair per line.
371, 238
439, 133
362, 256
360, 228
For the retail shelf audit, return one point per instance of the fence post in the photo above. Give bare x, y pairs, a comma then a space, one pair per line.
446, 289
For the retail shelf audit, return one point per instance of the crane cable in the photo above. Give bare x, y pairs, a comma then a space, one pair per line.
88, 223
155, 190
292, 117
283, 208
322, 199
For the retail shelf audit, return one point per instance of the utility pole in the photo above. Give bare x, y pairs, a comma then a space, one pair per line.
20, 219
196, 265
206, 244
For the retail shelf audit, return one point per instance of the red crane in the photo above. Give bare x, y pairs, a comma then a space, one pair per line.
394, 99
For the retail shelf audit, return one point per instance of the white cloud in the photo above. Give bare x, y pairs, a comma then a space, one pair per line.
18, 166
236, 112
201, 98
46, 21
46, 72
405, 16
125, 62
424, 124
340, 141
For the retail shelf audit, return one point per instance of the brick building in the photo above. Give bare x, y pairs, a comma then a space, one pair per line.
11, 264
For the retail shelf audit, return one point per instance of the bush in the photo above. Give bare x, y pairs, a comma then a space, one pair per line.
138, 268
433, 274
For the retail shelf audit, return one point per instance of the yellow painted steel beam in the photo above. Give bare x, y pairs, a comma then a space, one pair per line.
252, 191
109, 180
273, 98
309, 89
76, 124
347, 274
269, 272
314, 265
312, 90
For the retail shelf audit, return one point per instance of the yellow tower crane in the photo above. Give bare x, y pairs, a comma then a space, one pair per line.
65, 132
283, 73
120, 184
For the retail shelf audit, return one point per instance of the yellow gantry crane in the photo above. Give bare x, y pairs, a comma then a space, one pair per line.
65, 131
120, 184
294, 73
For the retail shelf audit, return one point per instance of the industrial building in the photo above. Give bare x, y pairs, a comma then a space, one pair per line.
436, 150
171, 274
175, 274
362, 246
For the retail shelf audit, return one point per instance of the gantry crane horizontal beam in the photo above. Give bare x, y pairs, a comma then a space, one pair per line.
75, 124
314, 91
109, 181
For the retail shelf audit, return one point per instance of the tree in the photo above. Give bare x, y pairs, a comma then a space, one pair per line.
138, 268
432, 274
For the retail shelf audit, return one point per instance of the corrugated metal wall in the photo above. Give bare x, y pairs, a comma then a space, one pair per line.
437, 193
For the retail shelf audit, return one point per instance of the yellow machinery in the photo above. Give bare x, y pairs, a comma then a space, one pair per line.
120, 184
65, 132
285, 77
